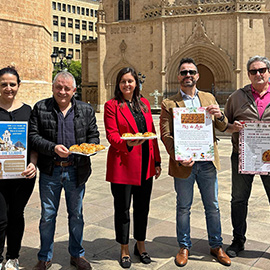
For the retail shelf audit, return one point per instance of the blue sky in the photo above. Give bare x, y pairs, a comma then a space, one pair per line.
18, 131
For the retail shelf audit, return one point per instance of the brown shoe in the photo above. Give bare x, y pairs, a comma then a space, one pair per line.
181, 258
221, 256
42, 265
80, 263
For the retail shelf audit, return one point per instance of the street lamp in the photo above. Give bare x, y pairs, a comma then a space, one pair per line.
141, 79
61, 64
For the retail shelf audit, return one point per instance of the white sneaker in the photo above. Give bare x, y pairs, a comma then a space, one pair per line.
12, 264
1, 266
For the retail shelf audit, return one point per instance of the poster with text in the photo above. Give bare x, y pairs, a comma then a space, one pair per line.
13, 149
254, 148
193, 134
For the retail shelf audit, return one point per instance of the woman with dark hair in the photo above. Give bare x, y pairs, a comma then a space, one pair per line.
14, 193
131, 164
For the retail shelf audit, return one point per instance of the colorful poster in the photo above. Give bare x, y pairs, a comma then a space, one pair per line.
13, 149
193, 134
254, 148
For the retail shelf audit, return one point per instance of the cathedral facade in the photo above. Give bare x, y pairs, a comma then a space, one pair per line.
152, 36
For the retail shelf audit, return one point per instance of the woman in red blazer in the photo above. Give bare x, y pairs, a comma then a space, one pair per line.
131, 164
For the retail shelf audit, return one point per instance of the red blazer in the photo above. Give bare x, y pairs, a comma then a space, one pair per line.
124, 167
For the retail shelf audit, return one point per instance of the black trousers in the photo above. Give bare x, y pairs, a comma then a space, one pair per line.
14, 195
141, 201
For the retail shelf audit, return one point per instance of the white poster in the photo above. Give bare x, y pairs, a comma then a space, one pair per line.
254, 147
13, 149
193, 134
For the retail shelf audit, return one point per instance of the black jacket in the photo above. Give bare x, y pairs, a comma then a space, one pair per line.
43, 135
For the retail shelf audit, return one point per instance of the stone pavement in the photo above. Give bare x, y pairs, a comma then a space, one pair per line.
102, 250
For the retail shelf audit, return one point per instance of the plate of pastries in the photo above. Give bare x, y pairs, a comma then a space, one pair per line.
139, 136
86, 149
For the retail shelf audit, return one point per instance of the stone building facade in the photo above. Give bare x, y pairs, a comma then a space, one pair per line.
152, 36
25, 42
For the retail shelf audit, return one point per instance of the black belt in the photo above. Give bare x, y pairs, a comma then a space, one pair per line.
63, 163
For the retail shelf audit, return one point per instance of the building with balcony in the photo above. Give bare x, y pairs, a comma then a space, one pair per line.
73, 21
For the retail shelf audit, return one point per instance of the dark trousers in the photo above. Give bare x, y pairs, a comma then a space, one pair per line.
14, 195
241, 189
141, 200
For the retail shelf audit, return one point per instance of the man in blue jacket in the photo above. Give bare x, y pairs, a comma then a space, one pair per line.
57, 123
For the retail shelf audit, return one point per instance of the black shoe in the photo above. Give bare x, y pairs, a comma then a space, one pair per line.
125, 262
144, 257
236, 246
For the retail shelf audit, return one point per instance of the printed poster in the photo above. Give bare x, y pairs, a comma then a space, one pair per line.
254, 148
193, 134
13, 149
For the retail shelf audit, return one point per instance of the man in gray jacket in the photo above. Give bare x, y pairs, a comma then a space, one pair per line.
249, 103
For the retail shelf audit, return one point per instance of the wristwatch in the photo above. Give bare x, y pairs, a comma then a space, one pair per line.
221, 118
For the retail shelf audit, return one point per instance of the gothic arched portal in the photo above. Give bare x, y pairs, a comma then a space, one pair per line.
213, 64
206, 81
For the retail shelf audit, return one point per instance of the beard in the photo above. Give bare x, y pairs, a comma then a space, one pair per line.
188, 83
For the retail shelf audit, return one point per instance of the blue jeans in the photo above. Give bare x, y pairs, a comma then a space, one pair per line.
50, 188
241, 189
204, 173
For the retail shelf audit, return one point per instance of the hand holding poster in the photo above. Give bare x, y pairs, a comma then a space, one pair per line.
254, 147
13, 149
193, 134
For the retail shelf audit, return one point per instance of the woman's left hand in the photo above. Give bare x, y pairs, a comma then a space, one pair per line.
158, 172
131, 143
30, 171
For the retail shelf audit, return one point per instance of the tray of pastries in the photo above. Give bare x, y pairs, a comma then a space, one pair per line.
86, 149
139, 136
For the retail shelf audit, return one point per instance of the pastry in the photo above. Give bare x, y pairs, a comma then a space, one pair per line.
127, 135
149, 134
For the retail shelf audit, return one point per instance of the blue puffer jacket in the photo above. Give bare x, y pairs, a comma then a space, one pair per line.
43, 135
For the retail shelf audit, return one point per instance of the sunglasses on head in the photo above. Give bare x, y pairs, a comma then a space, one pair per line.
261, 71
185, 72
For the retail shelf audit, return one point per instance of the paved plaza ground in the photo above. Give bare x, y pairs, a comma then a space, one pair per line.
102, 250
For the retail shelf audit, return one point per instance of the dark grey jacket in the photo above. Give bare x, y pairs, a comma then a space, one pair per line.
241, 106
43, 135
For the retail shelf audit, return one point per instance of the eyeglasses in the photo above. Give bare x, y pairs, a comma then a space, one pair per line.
261, 71
185, 72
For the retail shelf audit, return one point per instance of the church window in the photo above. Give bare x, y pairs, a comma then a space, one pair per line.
250, 23
123, 10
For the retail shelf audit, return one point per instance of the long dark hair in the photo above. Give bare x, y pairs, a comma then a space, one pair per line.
137, 104
10, 70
